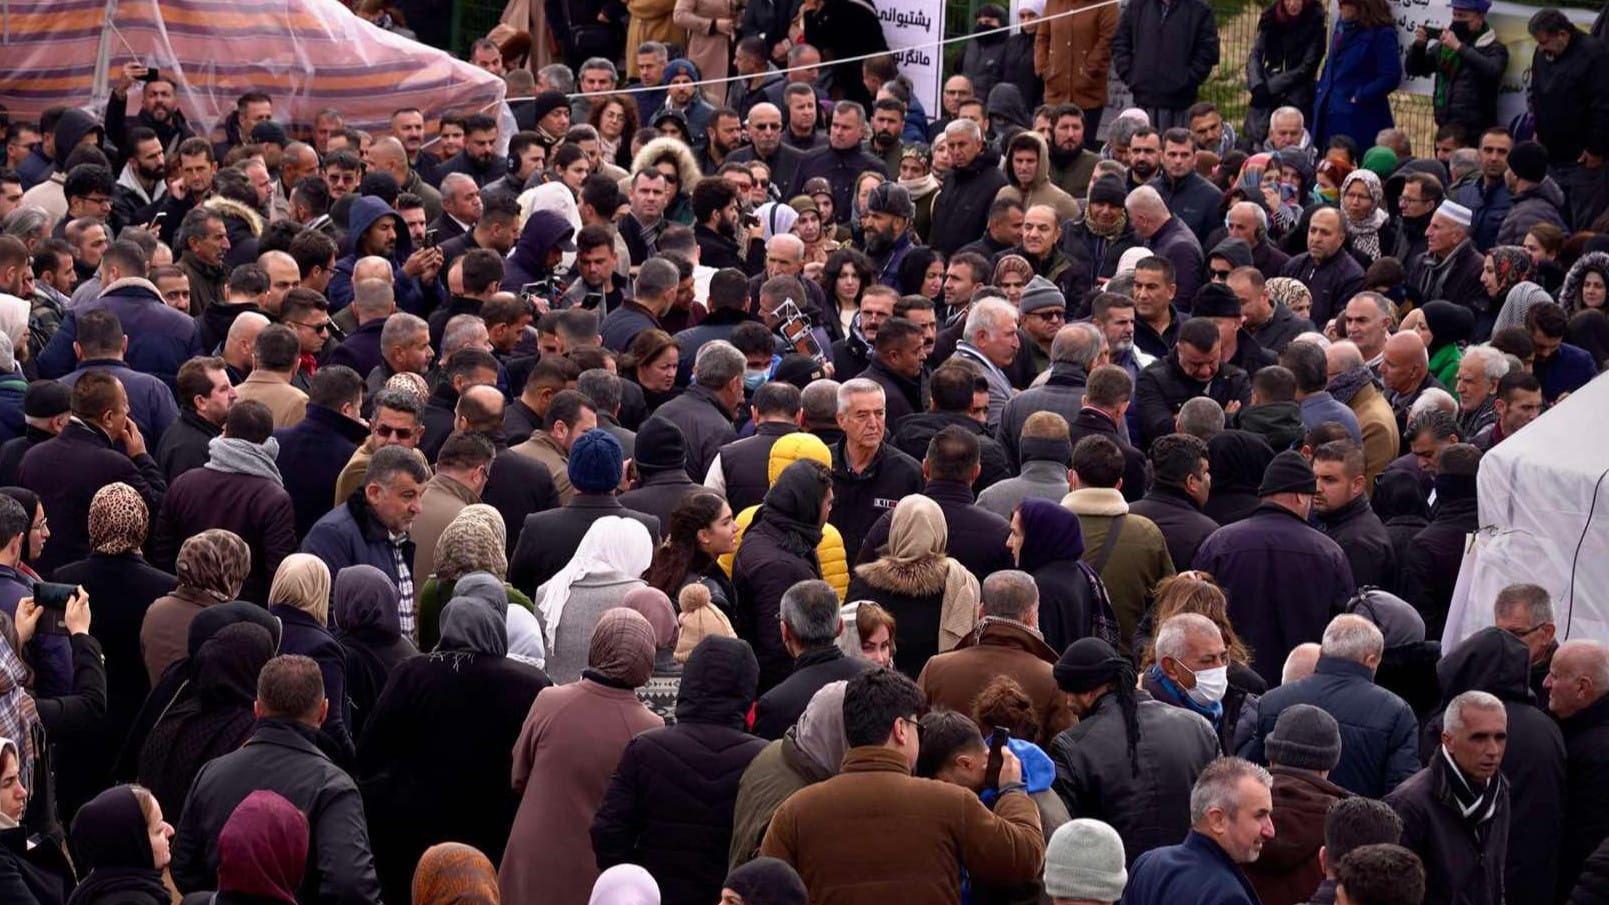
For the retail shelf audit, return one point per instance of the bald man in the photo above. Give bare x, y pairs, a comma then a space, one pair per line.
1352, 383
765, 134
1329, 272
389, 156
239, 342
283, 276
1405, 371
1576, 684
369, 268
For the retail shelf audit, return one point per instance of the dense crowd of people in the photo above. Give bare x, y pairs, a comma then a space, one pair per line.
741, 485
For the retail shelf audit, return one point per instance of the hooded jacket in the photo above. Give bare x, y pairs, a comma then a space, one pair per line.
412, 297
1493, 661
1238, 459
670, 804
1040, 190
1543, 204
830, 553
528, 263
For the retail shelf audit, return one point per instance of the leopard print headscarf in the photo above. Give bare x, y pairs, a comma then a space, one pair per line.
117, 520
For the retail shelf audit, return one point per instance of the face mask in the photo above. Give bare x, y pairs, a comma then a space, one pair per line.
1211, 684
752, 380
1322, 194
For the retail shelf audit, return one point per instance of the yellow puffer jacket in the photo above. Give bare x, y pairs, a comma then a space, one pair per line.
830, 552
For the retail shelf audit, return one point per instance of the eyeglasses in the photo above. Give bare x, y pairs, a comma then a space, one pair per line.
1522, 634
401, 433
916, 723
763, 183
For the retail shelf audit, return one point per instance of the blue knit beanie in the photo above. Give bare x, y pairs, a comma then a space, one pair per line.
596, 462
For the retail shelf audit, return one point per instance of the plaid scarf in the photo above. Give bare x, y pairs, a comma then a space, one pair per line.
405, 606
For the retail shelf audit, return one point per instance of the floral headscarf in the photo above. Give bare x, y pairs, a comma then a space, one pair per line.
1512, 265
1013, 264
452, 873
474, 541
1291, 293
214, 563
117, 520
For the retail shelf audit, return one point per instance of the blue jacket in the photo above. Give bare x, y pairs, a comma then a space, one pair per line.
1194, 872
151, 403
160, 339
350, 535
1379, 734
1568, 370
1354, 93
412, 296
311, 456
528, 262
1321, 407
12, 423
51, 654
1489, 206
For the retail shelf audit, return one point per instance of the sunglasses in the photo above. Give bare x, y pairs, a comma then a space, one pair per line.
316, 328
1220, 274
766, 127
401, 433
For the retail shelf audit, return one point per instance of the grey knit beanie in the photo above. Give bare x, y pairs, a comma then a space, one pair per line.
1305, 738
1084, 860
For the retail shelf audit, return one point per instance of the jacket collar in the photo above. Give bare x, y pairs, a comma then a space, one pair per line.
1353, 510
286, 734
816, 656
1171, 496
369, 526
133, 283
1043, 471
1336, 666
337, 422
1096, 501
707, 396
875, 759
941, 491
775, 428
453, 487
83, 431
594, 501
1066, 374
993, 631
190, 418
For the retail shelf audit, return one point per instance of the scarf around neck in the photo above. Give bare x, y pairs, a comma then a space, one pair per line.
1476, 806
1350, 382
233, 456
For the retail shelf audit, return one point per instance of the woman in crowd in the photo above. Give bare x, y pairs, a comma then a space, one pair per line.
369, 629
1291, 293
474, 541
1506, 270
1047, 542
1587, 284
921, 272
33, 870
1544, 242
461, 705
916, 175
1003, 704
212, 566
451, 873
120, 846
818, 245
1011, 274
1361, 70
262, 852
566, 753
651, 362
213, 719
868, 633
1370, 231
700, 531
1446, 328
615, 118
846, 275
933, 596
779, 551
606, 566
571, 166
1282, 68
1589, 329
300, 599
660, 692
698, 619
669, 806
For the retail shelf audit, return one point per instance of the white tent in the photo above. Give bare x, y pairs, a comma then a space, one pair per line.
1544, 512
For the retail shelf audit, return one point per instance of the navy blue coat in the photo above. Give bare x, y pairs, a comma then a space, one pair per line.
12, 424
1355, 90
350, 535
160, 339
311, 456
412, 297
1379, 733
1194, 872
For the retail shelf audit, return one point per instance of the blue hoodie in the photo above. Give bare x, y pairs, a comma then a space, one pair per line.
528, 262
412, 296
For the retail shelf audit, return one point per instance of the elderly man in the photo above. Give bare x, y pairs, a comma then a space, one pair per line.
1193, 368
461, 207
1380, 744
1258, 559
1450, 267
1478, 374
1405, 371
991, 342
1367, 321
869, 475
1526, 612
1167, 237
1287, 130
404, 349
1577, 683
1231, 818
969, 188
810, 624
1076, 350
1455, 812
1249, 223
1352, 383
1331, 274
766, 145
1517, 402
705, 411
1192, 672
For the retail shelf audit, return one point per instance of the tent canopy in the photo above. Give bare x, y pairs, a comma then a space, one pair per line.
1544, 511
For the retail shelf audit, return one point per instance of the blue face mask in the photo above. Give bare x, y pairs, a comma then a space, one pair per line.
752, 380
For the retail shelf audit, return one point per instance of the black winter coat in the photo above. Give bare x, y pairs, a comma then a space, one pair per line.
1136, 471
964, 200
1493, 661
1238, 460
1185, 35
1164, 388
1282, 69
255, 507
311, 456
1332, 281
1433, 561
670, 803
184, 444
916, 432
1469, 96
458, 708
282, 757
1067, 602
66, 471
1586, 815
1462, 867
977, 537
745, 464
762, 571
1364, 540
548, 539
517, 486
704, 423
659, 494
1181, 521
1149, 806
859, 500
782, 706
1569, 94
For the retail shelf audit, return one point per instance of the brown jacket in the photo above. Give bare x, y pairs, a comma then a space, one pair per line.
822, 832
165, 630
443, 498
543, 448
999, 647
650, 21
1288, 871
1379, 426
356, 472
1073, 54
288, 404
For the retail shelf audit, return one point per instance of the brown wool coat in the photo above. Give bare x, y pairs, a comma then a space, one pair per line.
999, 648
933, 829
1288, 871
1073, 54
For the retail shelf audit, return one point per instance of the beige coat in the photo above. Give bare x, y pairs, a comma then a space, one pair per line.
1379, 427
567, 750
650, 21
707, 48
288, 404
543, 448
440, 503
1073, 54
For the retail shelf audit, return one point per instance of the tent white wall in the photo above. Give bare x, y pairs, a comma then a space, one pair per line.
1544, 512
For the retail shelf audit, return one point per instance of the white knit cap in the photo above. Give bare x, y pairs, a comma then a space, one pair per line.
1037, 7
1084, 861
1455, 212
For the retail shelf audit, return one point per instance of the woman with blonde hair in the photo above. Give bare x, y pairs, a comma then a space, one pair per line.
300, 598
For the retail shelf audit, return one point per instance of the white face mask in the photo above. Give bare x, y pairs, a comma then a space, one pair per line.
1211, 684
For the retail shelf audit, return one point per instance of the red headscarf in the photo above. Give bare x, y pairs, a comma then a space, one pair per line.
262, 849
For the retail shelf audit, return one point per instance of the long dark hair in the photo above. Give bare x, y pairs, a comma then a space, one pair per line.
913, 269
679, 553
835, 265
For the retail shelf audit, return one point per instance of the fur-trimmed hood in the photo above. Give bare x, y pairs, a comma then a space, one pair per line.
913, 578
227, 207
674, 149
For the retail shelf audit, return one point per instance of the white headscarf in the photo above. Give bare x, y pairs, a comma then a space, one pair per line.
525, 637
625, 884
556, 197
775, 219
613, 545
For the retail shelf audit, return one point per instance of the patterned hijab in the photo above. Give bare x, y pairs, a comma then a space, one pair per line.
622, 648
214, 563
1512, 265
117, 520
474, 541
1365, 233
452, 873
